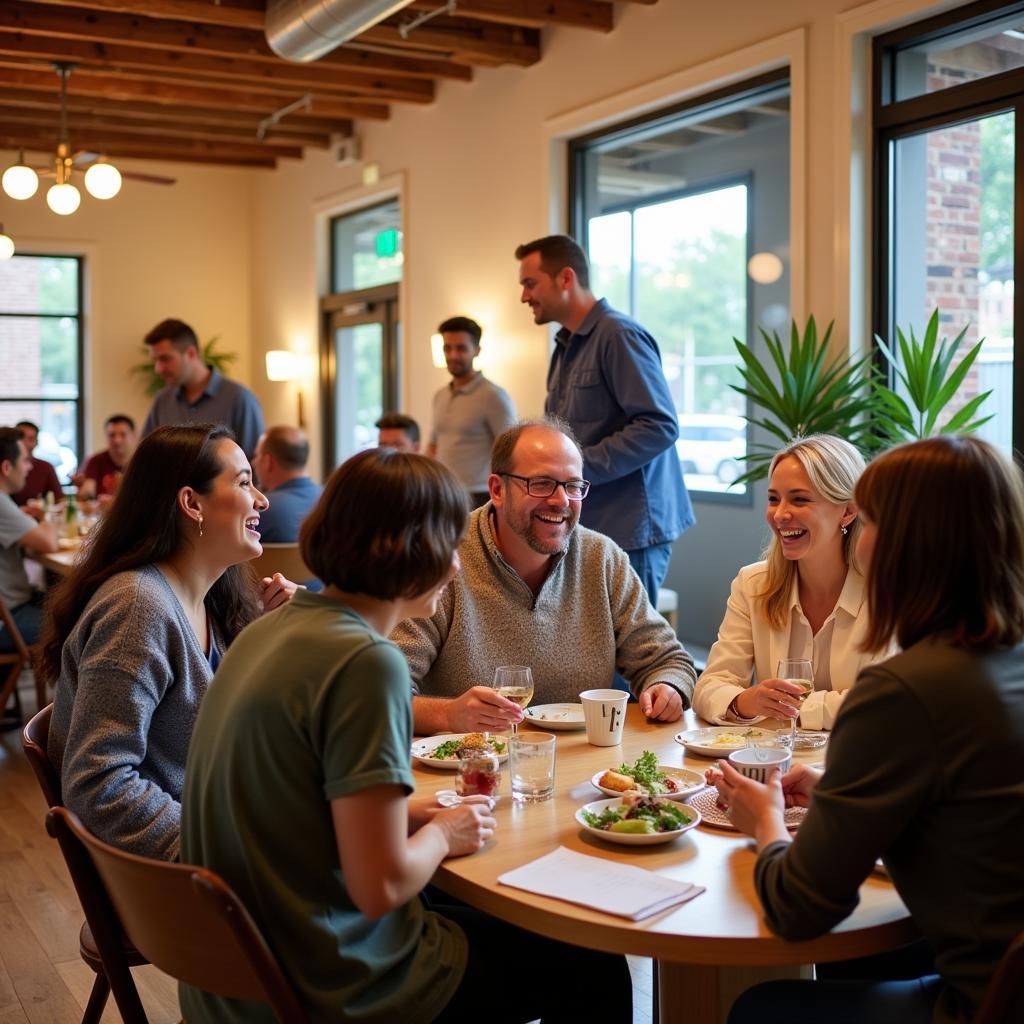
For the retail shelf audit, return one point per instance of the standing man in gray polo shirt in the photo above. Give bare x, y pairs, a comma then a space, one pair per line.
197, 392
469, 412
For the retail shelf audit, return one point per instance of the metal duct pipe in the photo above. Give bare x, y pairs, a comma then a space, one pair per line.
303, 30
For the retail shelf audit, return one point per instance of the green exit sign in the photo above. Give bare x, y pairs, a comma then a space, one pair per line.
388, 243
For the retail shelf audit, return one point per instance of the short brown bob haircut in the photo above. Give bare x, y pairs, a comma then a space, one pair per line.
948, 557
386, 525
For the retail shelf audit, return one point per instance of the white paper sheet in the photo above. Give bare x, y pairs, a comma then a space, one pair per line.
620, 889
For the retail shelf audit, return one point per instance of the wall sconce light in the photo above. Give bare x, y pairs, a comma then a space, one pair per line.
437, 351
764, 267
285, 365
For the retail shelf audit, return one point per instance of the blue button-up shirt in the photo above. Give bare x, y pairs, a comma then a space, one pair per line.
606, 380
222, 401
289, 505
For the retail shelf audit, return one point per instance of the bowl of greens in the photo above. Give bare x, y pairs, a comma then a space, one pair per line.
647, 776
637, 820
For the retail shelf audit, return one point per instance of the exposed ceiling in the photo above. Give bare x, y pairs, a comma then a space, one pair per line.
192, 80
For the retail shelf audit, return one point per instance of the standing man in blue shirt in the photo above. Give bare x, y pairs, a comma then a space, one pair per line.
606, 380
280, 466
196, 392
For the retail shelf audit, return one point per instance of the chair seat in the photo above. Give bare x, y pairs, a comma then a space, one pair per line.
91, 955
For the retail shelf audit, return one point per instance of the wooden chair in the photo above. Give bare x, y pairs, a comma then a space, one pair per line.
15, 660
102, 941
285, 559
1004, 997
188, 922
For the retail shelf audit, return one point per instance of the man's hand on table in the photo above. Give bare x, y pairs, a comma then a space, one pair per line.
480, 709
661, 703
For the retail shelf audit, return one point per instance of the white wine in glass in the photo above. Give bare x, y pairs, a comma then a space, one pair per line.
799, 672
514, 683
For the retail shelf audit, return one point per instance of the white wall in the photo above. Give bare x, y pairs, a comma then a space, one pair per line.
152, 252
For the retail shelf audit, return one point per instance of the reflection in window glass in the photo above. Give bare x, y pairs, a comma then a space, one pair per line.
953, 235
367, 248
40, 333
674, 208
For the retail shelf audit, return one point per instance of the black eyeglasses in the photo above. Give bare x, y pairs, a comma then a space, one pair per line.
544, 486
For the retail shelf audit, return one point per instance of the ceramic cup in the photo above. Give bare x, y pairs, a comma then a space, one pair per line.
757, 762
604, 712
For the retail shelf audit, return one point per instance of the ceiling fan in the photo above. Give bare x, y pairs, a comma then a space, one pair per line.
102, 179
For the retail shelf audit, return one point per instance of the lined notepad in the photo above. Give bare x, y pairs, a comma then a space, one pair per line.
613, 888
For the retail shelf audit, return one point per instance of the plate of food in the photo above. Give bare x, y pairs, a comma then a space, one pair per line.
720, 740
445, 751
712, 813
633, 819
645, 775
557, 716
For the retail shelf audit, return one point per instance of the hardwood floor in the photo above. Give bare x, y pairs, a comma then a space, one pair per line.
43, 979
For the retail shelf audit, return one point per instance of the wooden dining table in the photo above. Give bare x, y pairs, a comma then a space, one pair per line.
709, 949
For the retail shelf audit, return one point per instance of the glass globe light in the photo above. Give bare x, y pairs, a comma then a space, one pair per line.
20, 182
103, 181
63, 199
6, 245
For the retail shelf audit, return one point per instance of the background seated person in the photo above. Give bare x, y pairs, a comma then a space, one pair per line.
17, 531
398, 431
538, 587
42, 477
925, 766
102, 472
280, 465
298, 784
136, 631
805, 600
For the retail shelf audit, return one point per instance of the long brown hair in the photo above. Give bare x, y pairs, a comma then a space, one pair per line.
142, 527
833, 466
948, 555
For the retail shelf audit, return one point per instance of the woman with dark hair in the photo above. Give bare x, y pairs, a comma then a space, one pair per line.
134, 634
925, 768
298, 785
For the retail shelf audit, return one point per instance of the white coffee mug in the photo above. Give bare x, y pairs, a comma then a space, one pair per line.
604, 711
757, 762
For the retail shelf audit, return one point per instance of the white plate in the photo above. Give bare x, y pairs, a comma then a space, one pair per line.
557, 717
422, 750
702, 741
711, 814
691, 781
633, 838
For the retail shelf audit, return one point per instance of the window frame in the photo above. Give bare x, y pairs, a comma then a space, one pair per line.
79, 317
893, 120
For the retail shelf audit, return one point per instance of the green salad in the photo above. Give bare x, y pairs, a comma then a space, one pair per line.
640, 815
646, 774
451, 750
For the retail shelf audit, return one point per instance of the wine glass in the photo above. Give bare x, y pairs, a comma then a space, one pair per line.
515, 683
800, 672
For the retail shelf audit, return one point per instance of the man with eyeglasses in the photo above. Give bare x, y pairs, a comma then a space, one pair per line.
606, 380
540, 590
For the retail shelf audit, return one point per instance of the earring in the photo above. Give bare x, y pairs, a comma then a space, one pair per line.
200, 522
844, 528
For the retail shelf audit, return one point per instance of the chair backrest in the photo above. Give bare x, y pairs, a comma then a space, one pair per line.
285, 559
1004, 997
188, 922
34, 739
15, 660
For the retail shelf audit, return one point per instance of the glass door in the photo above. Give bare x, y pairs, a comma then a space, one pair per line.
359, 360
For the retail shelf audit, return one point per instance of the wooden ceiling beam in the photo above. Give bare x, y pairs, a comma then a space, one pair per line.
530, 13
90, 105
476, 43
249, 14
39, 18
108, 87
196, 152
42, 121
115, 57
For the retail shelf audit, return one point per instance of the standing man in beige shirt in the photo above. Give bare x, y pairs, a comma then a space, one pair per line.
469, 411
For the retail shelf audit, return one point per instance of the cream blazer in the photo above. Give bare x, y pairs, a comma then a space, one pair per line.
748, 649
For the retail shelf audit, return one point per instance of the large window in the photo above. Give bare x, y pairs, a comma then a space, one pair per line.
948, 96
41, 353
685, 219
